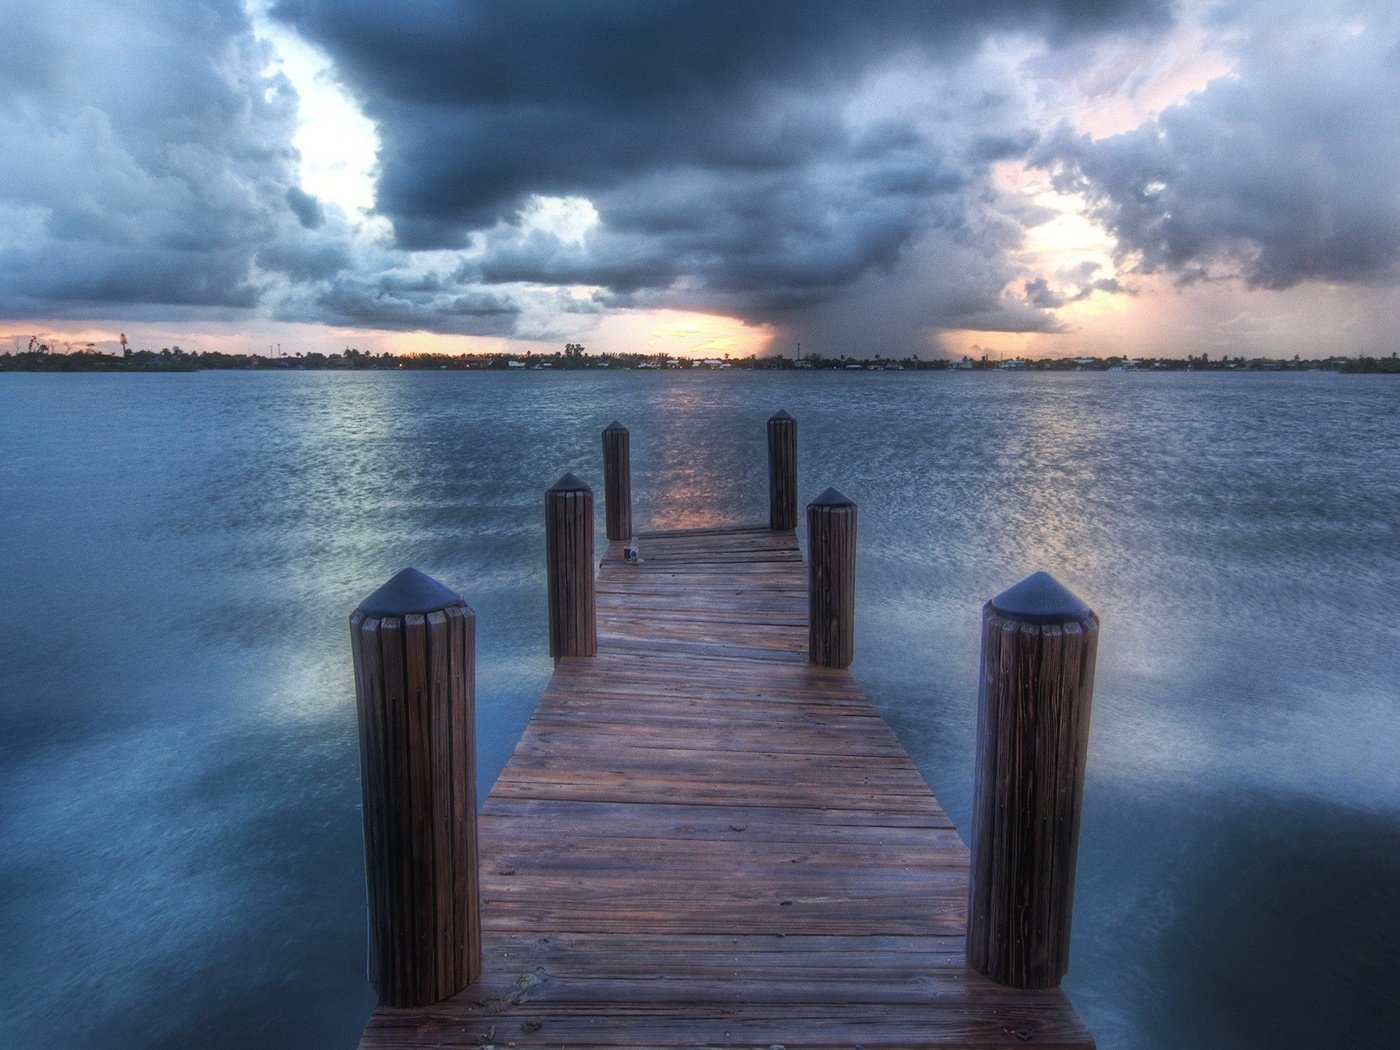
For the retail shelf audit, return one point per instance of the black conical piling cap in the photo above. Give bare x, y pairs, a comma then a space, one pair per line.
831, 498
781, 414
569, 483
1040, 598
614, 425
410, 591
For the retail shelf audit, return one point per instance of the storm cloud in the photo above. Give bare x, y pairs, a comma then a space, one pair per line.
833, 171
761, 160
481, 105
148, 162
1280, 173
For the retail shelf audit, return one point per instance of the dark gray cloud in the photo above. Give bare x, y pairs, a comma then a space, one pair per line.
151, 173
480, 105
1071, 285
783, 162
383, 302
148, 162
1283, 172
763, 159
825, 168
1040, 294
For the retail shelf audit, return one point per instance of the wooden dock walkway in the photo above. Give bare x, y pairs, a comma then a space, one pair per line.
702, 840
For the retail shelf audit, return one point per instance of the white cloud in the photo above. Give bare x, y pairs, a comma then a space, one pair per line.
567, 218
337, 143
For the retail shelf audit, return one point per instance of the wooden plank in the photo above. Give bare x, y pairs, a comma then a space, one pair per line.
795, 824
703, 840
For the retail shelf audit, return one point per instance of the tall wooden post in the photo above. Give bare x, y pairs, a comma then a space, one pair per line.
568, 538
782, 471
617, 481
414, 647
831, 580
1039, 644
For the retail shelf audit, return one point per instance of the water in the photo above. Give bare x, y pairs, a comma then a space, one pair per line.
179, 835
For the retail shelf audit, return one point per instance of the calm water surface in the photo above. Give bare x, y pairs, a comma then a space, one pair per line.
179, 833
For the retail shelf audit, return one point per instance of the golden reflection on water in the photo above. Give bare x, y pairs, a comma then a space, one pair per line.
692, 483
685, 513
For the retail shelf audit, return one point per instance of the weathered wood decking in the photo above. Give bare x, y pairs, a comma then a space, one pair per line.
701, 840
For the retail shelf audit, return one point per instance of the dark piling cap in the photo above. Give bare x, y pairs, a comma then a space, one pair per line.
1040, 598
781, 415
569, 483
410, 591
614, 425
831, 498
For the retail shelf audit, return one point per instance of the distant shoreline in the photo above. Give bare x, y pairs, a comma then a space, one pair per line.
176, 360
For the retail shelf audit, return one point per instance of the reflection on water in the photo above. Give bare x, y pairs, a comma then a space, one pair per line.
180, 841
695, 465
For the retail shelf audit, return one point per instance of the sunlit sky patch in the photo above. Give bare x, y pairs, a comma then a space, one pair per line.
335, 141
890, 179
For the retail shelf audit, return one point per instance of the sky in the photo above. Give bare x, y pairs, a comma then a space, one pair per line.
973, 176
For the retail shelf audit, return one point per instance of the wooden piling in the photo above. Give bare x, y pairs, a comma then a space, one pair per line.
568, 529
831, 580
782, 471
414, 646
617, 481
1039, 644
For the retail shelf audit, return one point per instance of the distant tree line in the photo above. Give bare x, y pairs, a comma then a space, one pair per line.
40, 356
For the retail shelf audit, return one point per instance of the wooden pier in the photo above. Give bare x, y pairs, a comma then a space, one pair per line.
703, 839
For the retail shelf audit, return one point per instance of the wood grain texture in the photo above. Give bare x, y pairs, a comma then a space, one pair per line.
782, 472
704, 840
568, 531
1037, 684
415, 700
617, 482
831, 544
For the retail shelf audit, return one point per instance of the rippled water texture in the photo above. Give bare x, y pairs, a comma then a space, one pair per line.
179, 834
